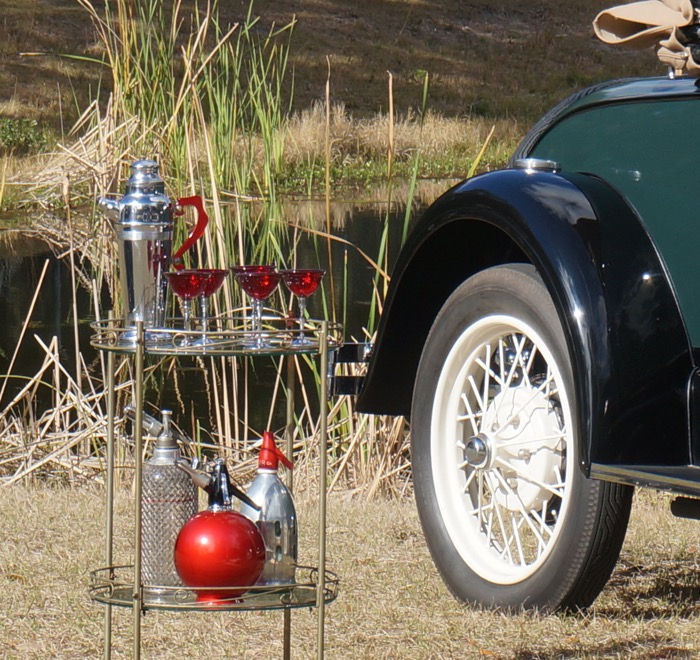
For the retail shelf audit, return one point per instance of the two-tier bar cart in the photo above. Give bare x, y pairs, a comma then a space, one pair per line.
115, 585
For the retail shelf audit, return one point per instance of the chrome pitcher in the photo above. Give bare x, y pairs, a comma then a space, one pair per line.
144, 229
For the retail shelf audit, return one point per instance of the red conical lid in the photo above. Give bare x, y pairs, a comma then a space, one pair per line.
270, 455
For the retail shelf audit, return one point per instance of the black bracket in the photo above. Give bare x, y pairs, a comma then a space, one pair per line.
344, 384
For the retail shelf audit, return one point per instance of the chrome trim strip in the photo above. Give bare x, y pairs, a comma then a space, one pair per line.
536, 165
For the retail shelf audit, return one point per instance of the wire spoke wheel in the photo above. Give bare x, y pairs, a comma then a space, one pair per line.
507, 513
500, 437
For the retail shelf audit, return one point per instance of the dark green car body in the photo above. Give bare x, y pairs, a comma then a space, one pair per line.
614, 231
639, 137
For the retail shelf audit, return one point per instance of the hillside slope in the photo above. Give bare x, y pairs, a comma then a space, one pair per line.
509, 59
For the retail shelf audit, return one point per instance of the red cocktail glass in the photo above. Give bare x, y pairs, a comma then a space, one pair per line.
214, 281
259, 282
187, 285
302, 282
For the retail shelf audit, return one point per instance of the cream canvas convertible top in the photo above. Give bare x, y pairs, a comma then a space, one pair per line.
670, 26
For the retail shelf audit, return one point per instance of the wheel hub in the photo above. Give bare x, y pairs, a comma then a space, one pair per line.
518, 448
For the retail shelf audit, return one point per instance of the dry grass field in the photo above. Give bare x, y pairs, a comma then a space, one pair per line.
391, 603
509, 59
489, 65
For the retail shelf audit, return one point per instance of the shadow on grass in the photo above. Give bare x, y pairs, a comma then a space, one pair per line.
643, 648
667, 590
661, 590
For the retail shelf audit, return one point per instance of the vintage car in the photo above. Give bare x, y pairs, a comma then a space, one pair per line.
542, 334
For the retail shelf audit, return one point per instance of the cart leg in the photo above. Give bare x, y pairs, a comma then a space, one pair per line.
289, 435
110, 494
322, 458
287, 652
138, 484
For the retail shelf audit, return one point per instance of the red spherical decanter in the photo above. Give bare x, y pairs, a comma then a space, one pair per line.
219, 547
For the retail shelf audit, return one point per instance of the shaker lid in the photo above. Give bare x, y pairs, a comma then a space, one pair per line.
270, 454
145, 178
144, 201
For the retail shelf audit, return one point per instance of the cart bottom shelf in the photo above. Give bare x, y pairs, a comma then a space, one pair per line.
113, 585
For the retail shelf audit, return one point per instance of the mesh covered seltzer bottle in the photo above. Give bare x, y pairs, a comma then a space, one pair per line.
169, 500
277, 518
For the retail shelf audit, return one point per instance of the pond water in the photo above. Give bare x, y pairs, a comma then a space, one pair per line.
23, 260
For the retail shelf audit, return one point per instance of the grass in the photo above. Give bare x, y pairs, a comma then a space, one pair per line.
448, 147
225, 96
488, 66
511, 59
391, 603
492, 65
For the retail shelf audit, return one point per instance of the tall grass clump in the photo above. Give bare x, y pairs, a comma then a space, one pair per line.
373, 453
207, 100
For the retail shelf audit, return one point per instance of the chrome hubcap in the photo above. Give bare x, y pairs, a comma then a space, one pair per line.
477, 452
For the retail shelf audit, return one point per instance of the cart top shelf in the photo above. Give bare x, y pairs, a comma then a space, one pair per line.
225, 336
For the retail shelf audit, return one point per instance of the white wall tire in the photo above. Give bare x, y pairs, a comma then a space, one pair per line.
509, 518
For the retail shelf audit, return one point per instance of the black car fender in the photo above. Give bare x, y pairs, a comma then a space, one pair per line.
630, 353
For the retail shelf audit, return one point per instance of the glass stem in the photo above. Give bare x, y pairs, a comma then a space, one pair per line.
302, 313
204, 310
187, 314
257, 321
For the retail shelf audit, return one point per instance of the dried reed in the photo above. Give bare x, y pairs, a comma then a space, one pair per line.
215, 113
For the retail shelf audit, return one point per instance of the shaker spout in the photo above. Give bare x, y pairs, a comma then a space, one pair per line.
199, 478
110, 208
217, 484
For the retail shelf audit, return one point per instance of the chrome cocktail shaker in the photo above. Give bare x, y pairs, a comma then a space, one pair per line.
143, 221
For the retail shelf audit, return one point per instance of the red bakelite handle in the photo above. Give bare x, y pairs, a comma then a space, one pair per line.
284, 459
202, 221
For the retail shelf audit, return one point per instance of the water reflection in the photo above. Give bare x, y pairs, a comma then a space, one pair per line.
30, 273
360, 226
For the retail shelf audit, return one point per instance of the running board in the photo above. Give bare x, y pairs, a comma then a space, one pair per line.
683, 479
